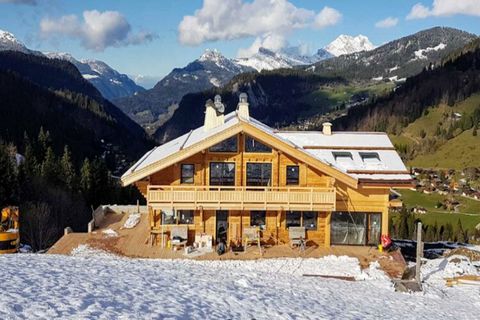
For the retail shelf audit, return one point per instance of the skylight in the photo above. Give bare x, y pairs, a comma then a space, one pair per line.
370, 158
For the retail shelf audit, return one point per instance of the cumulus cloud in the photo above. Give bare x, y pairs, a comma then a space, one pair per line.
96, 30
445, 8
227, 20
387, 23
326, 18
27, 2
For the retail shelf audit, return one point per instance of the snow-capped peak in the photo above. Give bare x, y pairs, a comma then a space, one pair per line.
345, 44
6, 36
212, 55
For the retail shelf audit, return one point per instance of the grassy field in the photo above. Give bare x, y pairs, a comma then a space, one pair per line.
460, 152
469, 211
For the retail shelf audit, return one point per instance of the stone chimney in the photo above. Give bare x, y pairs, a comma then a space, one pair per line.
213, 113
327, 128
242, 107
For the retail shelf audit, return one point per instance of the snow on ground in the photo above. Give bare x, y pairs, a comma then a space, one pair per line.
93, 284
132, 220
110, 233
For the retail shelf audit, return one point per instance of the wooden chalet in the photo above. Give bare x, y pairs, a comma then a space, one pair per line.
235, 173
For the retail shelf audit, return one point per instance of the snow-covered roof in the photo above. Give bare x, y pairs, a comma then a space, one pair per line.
361, 155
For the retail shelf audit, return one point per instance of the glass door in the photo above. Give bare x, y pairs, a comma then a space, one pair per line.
374, 228
222, 226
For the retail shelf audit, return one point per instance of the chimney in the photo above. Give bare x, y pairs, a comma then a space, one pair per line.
327, 128
242, 107
213, 113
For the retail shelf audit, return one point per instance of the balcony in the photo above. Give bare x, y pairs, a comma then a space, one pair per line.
242, 198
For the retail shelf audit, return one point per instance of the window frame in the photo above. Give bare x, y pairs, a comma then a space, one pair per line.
225, 151
181, 221
245, 145
182, 178
264, 218
302, 219
223, 164
269, 182
286, 175
366, 227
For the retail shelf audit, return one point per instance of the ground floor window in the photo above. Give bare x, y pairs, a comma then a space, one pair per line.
185, 216
258, 219
355, 228
307, 219
170, 216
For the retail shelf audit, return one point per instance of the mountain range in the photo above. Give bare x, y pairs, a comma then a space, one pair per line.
302, 96
110, 83
153, 107
39, 92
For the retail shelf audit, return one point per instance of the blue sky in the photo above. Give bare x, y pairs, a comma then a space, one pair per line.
149, 37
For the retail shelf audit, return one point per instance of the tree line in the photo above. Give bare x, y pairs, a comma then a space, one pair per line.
52, 190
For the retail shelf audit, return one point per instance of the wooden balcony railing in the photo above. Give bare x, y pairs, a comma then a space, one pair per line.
242, 198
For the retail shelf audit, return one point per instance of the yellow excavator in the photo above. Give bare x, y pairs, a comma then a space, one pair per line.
9, 230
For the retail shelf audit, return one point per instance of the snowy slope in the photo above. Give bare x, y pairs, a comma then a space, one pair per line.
107, 80
9, 42
96, 285
345, 44
289, 57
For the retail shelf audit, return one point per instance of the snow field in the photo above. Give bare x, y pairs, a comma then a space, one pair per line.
94, 284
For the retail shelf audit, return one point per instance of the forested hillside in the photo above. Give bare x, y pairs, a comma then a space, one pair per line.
276, 98
448, 86
60, 143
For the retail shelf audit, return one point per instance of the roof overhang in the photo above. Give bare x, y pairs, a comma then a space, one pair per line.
245, 127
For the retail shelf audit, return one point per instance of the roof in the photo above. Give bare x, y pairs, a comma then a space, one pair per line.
362, 156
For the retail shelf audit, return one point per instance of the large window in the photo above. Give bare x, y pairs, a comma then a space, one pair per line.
259, 174
170, 216
252, 145
222, 173
293, 175
228, 145
355, 228
185, 216
307, 219
187, 173
258, 219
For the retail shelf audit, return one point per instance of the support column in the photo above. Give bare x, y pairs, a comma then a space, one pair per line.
328, 219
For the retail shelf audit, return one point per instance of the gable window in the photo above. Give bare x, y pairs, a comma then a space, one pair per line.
187, 173
370, 158
252, 145
293, 175
259, 174
228, 145
185, 216
222, 173
258, 219
307, 219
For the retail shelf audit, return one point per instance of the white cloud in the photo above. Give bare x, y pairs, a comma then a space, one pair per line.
272, 42
387, 23
27, 2
445, 8
326, 18
235, 19
96, 31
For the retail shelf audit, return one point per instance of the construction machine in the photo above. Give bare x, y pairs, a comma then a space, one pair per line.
9, 230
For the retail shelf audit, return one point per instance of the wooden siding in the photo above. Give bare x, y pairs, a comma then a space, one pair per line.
362, 199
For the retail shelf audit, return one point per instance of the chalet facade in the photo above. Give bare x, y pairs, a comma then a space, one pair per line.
236, 172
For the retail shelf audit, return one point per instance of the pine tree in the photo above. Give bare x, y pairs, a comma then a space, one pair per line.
403, 232
49, 168
43, 143
448, 232
68, 174
436, 231
86, 179
8, 177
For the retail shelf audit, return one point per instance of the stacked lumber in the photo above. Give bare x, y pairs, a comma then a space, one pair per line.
466, 279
